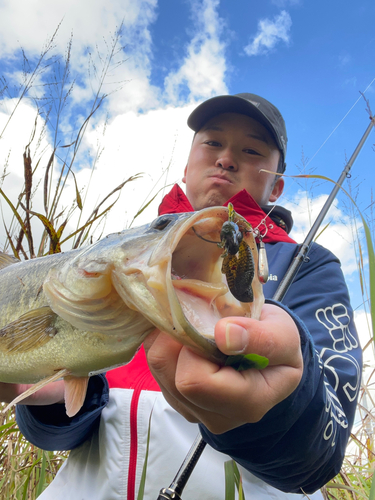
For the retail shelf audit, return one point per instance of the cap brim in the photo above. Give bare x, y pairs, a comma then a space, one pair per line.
226, 104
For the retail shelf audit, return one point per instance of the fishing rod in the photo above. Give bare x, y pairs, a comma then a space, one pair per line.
174, 491
305, 247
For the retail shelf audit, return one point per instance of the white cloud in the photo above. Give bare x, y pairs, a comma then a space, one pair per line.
88, 20
200, 75
203, 69
93, 27
18, 133
337, 236
270, 32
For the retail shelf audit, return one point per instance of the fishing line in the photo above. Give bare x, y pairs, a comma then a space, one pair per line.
337, 126
205, 239
288, 188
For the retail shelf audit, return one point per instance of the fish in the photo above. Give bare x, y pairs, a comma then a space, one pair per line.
82, 312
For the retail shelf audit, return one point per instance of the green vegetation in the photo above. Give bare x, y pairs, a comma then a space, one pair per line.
25, 470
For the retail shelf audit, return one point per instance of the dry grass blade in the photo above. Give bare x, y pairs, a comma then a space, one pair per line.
52, 233
361, 267
321, 232
36, 72
78, 196
15, 213
94, 215
24, 469
88, 225
146, 205
10, 241
28, 175
45, 190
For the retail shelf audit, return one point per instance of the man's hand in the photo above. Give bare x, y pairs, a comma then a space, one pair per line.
50, 394
220, 397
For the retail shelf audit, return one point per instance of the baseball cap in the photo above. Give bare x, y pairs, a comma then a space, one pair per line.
245, 104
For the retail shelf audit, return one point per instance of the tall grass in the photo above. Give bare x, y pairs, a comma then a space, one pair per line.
25, 470
356, 478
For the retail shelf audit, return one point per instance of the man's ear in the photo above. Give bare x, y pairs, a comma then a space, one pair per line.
277, 190
184, 177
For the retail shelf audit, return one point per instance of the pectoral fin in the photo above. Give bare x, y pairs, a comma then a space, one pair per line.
75, 393
29, 331
36, 387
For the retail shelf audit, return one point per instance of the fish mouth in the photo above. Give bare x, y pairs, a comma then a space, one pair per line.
196, 277
197, 294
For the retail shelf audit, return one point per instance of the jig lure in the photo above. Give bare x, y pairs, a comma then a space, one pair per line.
238, 263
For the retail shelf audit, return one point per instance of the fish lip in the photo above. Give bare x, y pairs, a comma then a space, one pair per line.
168, 244
211, 215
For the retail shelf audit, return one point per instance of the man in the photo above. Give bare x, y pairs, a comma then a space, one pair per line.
287, 425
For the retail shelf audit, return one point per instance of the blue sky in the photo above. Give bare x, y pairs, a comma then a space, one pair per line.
311, 59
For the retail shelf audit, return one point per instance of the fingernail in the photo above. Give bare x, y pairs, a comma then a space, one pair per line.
236, 338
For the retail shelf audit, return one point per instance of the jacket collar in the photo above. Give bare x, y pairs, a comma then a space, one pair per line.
176, 202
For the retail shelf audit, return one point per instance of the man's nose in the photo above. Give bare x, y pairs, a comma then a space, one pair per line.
227, 162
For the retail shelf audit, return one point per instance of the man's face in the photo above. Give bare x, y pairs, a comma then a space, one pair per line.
226, 156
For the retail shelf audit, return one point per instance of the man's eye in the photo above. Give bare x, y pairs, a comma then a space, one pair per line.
252, 152
213, 143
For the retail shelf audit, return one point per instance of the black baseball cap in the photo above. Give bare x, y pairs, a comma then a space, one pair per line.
245, 104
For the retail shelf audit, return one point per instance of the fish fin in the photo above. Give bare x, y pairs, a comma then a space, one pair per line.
75, 393
36, 387
31, 330
7, 260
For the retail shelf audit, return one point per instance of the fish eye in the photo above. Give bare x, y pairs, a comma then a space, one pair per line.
161, 222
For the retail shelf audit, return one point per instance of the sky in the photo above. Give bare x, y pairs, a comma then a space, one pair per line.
155, 61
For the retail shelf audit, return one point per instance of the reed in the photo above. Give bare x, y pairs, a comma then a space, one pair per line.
25, 470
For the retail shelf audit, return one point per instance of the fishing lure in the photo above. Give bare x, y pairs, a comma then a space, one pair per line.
238, 263
263, 272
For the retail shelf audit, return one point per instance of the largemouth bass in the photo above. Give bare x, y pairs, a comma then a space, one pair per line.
85, 311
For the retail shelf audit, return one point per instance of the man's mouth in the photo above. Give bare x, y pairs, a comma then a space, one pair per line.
221, 179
